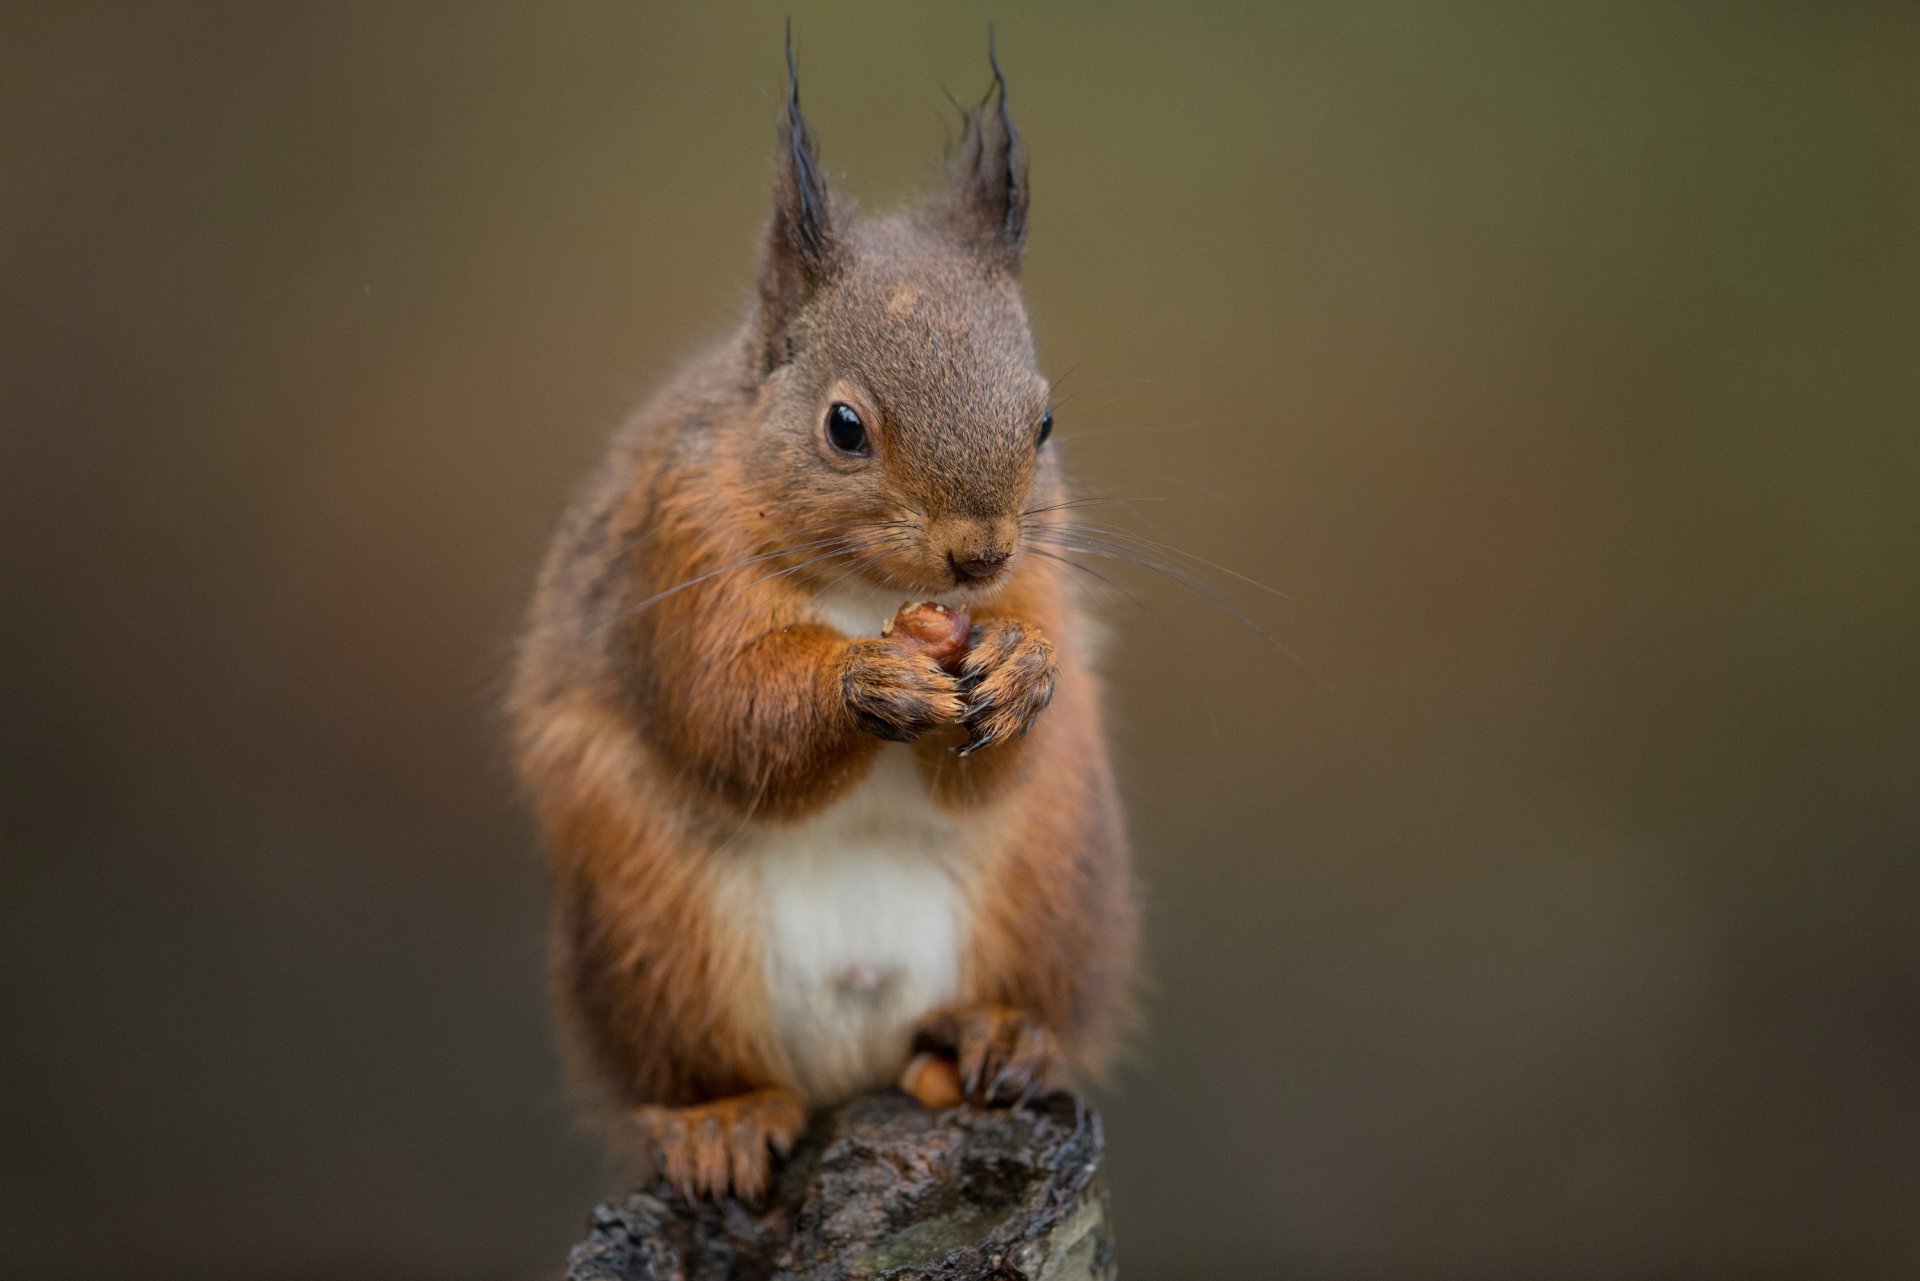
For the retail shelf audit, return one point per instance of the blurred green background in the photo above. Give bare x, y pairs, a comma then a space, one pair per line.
1559, 362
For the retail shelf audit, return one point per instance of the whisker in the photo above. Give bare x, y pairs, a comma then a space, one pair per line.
1173, 638
1186, 482
899, 537
1130, 536
899, 528
1053, 385
1108, 403
1058, 401
842, 549
1174, 573
1139, 429
744, 588
695, 581
835, 583
1096, 501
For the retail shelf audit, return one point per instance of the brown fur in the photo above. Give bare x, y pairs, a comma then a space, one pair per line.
675, 684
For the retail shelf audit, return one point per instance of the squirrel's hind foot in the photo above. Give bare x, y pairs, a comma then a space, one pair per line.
724, 1147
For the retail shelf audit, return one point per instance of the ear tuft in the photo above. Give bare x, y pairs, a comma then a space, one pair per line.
800, 239
989, 174
801, 209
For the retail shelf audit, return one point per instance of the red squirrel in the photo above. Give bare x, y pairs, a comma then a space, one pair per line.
793, 844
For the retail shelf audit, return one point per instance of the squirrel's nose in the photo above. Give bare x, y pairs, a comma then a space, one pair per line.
977, 565
977, 547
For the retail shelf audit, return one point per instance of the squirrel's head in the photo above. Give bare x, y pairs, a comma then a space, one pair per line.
899, 407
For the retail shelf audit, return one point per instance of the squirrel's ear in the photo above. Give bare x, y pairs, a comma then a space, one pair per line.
989, 173
800, 238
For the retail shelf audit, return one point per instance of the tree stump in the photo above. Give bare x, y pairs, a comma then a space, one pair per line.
882, 1189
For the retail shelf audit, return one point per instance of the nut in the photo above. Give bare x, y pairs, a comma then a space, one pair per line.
941, 633
932, 1080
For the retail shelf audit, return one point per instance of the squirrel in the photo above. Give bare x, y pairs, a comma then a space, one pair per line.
794, 845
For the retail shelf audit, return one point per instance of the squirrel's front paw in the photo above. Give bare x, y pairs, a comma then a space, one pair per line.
1003, 1056
895, 691
1009, 674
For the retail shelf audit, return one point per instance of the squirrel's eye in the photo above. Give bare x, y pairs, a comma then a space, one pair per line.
1046, 428
845, 430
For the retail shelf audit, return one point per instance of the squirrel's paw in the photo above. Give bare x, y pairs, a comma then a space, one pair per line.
1004, 1057
895, 691
727, 1146
1009, 674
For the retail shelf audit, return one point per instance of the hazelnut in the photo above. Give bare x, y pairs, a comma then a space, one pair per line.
941, 633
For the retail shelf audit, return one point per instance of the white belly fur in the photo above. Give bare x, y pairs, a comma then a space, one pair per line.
861, 924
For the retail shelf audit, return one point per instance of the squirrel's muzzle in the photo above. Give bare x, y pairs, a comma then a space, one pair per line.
977, 550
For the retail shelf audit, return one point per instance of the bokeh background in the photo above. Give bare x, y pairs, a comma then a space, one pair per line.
1554, 915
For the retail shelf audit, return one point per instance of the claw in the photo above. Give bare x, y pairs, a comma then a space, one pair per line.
1004, 1058
1002, 1080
